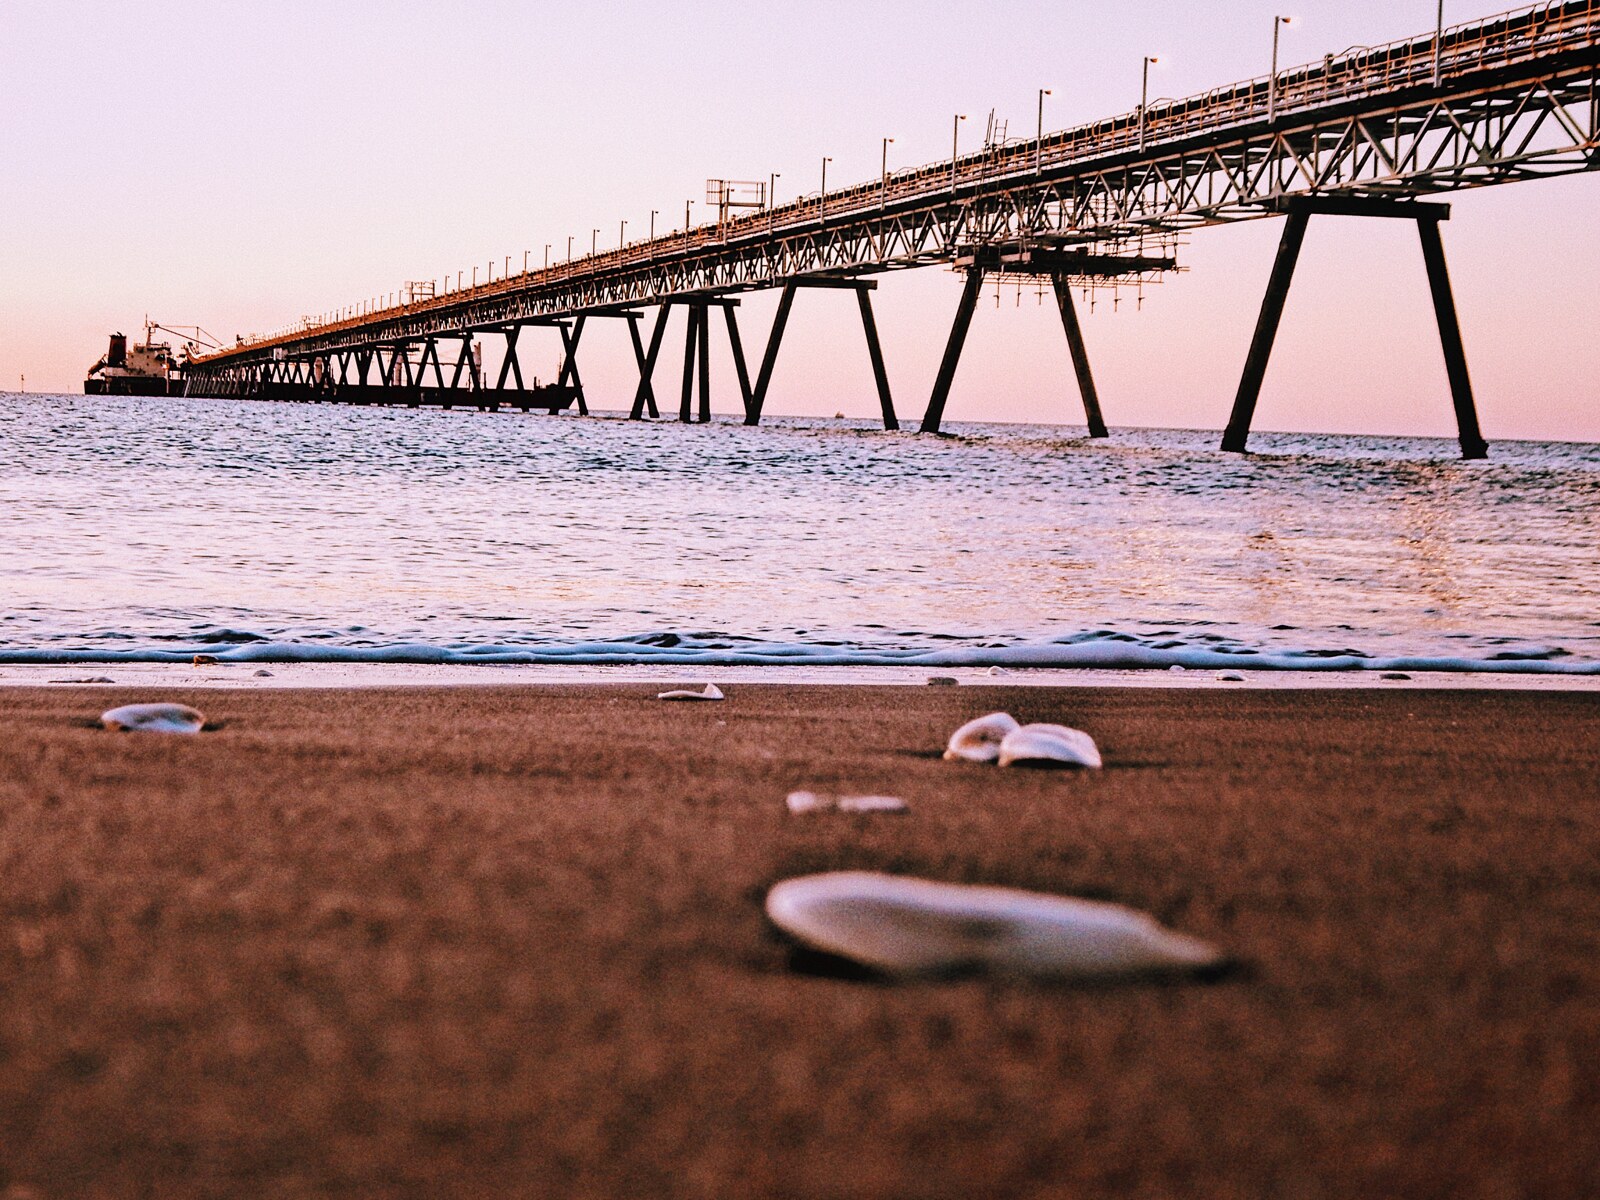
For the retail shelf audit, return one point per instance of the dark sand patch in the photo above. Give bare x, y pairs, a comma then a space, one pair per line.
509, 942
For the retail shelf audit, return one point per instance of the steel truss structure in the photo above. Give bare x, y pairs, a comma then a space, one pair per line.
1510, 98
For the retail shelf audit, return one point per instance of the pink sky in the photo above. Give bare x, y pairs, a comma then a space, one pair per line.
238, 166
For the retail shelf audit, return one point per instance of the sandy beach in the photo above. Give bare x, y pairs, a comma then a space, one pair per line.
508, 941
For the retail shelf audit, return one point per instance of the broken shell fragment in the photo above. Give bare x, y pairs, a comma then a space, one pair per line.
979, 740
1047, 745
804, 802
711, 692
154, 718
908, 927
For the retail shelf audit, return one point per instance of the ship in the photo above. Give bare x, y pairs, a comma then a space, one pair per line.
147, 368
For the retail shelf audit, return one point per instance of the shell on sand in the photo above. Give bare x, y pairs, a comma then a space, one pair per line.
804, 802
905, 926
979, 739
711, 692
1049, 744
154, 718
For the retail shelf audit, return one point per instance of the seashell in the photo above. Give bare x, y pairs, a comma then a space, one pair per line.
979, 740
905, 926
1045, 744
1177, 667
1394, 675
263, 674
804, 802
1229, 677
943, 681
711, 692
154, 718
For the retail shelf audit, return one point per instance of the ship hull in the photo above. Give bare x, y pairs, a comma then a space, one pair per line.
132, 385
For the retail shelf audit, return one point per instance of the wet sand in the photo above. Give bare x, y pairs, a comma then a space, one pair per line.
453, 942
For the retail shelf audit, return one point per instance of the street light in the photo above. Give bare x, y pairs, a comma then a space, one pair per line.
772, 197
547, 256
1272, 83
1144, 97
1438, 46
1038, 155
525, 255
569, 247
653, 214
955, 141
825, 161
622, 235
883, 195
594, 242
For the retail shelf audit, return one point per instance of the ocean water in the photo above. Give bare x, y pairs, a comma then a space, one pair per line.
153, 529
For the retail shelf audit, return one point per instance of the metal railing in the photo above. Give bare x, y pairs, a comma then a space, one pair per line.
1467, 50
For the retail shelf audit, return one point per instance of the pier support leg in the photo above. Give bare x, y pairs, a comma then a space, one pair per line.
646, 395
764, 378
880, 374
463, 361
1255, 366
640, 358
1080, 357
686, 403
1455, 357
952, 351
570, 336
704, 316
746, 394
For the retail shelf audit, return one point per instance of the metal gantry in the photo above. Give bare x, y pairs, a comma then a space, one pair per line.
1368, 133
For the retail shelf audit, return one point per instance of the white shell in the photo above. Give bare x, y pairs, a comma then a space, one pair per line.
154, 718
804, 802
979, 740
711, 692
905, 926
1230, 677
1049, 744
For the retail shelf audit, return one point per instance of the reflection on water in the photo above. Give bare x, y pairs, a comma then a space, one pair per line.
133, 523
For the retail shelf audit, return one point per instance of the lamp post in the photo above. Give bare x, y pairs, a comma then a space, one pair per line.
1144, 97
1438, 46
1272, 83
772, 197
622, 235
547, 256
1038, 152
525, 255
955, 142
824, 200
569, 247
594, 242
653, 214
883, 184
